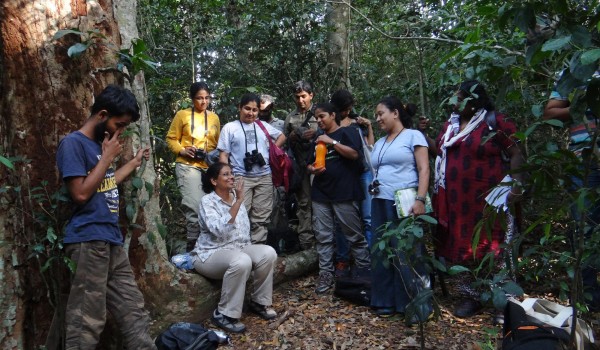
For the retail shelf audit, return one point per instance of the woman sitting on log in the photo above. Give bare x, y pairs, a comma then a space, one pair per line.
224, 251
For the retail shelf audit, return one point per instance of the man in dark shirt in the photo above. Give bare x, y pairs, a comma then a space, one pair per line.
103, 280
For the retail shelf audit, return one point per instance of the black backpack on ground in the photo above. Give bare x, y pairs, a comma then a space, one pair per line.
187, 336
354, 290
521, 333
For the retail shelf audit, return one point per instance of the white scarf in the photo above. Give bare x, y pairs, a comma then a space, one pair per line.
449, 140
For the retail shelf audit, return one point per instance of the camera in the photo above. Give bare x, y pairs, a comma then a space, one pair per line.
374, 187
200, 154
253, 158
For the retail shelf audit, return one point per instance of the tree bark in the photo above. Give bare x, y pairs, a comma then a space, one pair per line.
45, 94
338, 18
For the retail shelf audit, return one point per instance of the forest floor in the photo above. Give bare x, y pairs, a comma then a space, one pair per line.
309, 321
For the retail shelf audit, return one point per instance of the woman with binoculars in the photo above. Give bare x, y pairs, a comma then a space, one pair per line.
193, 134
245, 146
400, 160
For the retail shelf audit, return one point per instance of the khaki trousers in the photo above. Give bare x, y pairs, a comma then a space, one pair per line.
234, 268
104, 281
189, 182
258, 200
304, 213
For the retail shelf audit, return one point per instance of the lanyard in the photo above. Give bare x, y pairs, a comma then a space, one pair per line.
205, 127
380, 156
246, 138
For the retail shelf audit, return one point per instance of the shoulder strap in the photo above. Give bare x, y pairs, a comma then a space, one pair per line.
260, 125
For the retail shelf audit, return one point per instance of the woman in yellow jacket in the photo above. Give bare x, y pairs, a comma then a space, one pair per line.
194, 133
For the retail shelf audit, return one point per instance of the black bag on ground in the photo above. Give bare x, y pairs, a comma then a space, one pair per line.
187, 336
354, 290
520, 333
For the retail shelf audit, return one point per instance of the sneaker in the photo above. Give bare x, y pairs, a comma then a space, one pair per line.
342, 269
325, 282
264, 312
227, 323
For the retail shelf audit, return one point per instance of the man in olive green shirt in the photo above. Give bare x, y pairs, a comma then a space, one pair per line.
300, 128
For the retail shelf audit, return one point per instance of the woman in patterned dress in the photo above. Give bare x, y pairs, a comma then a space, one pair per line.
224, 251
475, 149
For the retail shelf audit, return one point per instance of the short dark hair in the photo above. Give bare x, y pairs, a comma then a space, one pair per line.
329, 108
393, 103
249, 97
117, 101
302, 85
195, 87
479, 97
212, 173
342, 99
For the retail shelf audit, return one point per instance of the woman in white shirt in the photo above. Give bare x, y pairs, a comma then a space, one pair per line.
224, 251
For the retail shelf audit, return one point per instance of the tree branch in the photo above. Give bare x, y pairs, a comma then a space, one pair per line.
431, 38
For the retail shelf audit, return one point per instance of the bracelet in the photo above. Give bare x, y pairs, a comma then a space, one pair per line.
420, 199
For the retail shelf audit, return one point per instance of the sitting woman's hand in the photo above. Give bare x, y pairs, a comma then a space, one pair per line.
239, 188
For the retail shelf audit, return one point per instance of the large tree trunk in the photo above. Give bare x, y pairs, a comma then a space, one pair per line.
338, 18
45, 95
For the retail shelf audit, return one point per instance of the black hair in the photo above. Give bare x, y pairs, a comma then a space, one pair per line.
329, 108
195, 87
393, 103
212, 173
117, 101
479, 97
249, 97
342, 99
302, 85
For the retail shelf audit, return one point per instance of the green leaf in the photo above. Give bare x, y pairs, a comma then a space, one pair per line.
428, 219
438, 265
137, 183
76, 50
556, 44
590, 56
51, 235
7, 163
129, 211
149, 187
554, 122
524, 18
64, 32
499, 298
252, 89
537, 110
456, 269
580, 36
511, 287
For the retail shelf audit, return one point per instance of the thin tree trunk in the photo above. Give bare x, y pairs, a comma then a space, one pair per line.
338, 18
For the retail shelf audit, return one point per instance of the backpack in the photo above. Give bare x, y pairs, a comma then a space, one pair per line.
521, 333
279, 161
354, 290
188, 336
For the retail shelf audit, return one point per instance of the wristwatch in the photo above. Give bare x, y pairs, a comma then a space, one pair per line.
334, 142
420, 198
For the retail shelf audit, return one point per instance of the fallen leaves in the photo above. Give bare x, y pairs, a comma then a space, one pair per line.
309, 321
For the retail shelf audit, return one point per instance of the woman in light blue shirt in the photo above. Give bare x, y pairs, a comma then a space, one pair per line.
400, 160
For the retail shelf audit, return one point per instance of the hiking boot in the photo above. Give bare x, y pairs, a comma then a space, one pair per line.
342, 269
227, 323
264, 312
325, 282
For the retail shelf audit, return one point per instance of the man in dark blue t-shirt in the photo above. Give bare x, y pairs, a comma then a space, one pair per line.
103, 279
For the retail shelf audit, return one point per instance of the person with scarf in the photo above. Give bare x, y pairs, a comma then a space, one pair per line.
475, 150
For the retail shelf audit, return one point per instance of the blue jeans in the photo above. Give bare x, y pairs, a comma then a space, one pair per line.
342, 247
589, 273
394, 286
